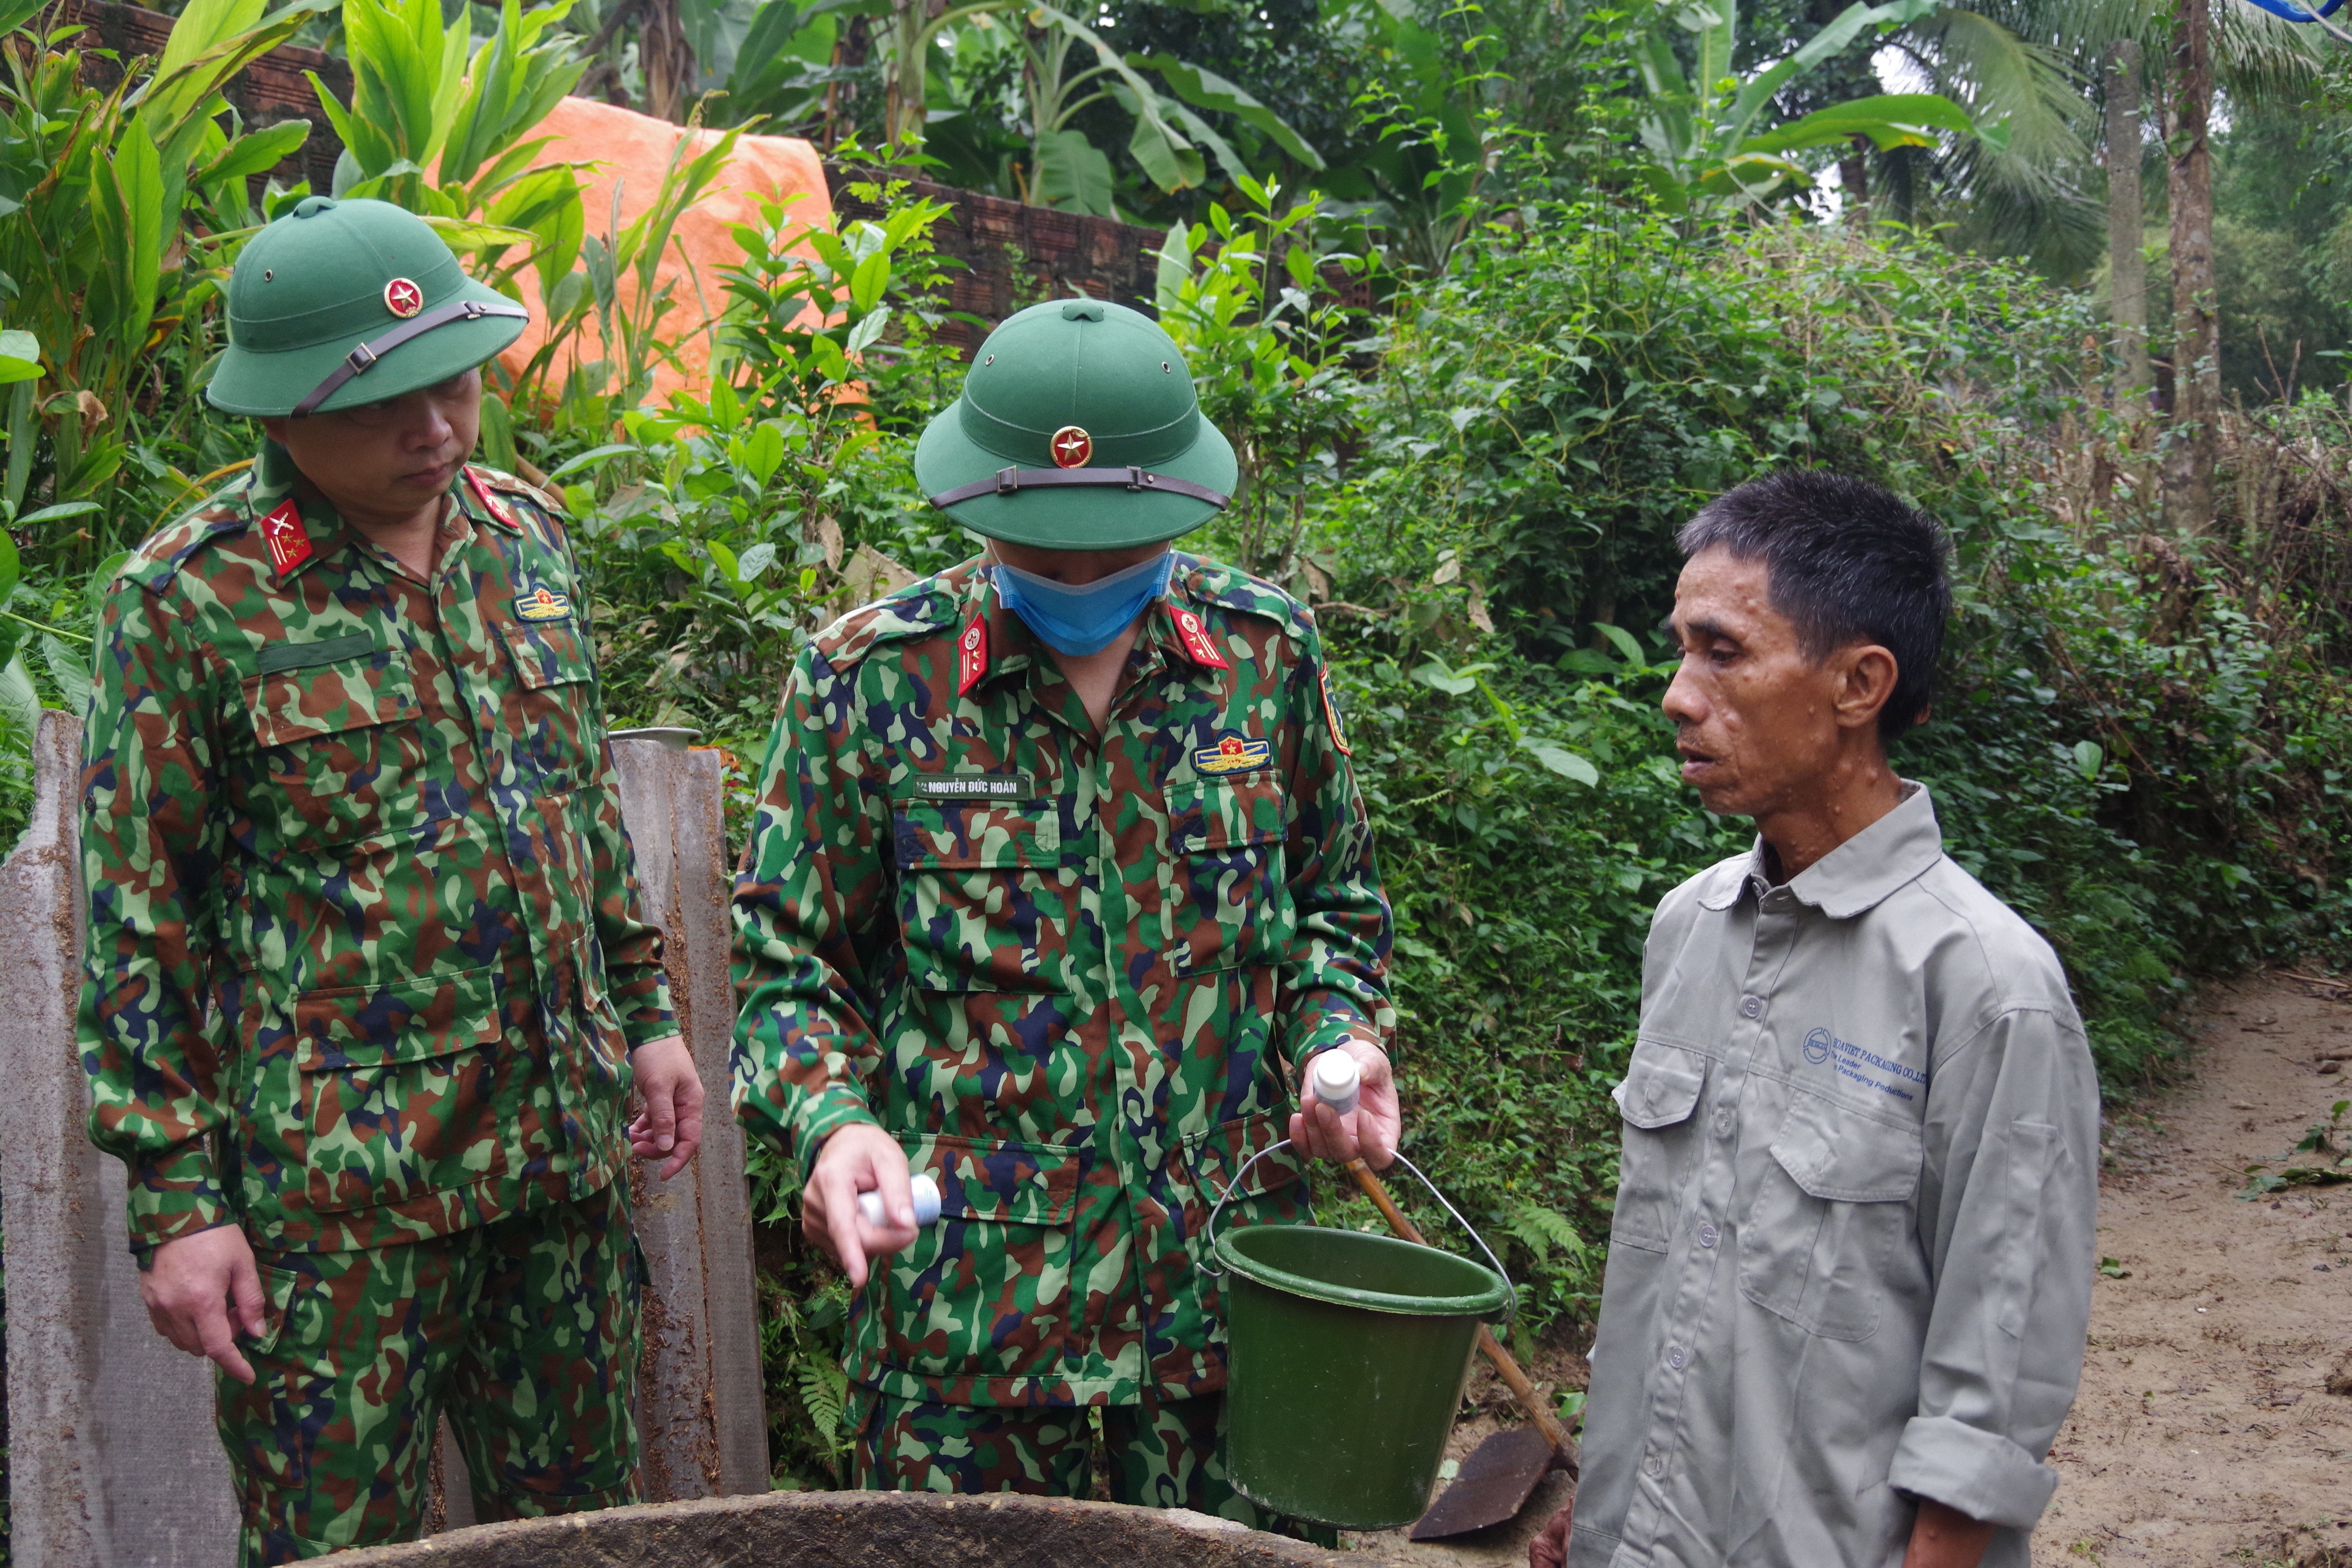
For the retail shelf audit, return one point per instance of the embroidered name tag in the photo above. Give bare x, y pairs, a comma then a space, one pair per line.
539, 604
973, 786
1231, 754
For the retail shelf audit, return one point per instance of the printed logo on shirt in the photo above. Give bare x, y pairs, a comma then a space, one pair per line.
1864, 1066
540, 604
1231, 754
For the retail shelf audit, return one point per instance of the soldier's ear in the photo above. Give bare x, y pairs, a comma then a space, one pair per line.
274, 426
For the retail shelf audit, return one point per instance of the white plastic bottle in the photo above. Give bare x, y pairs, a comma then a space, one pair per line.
1337, 1080
925, 1194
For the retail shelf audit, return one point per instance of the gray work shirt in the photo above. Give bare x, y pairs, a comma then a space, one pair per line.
1852, 1254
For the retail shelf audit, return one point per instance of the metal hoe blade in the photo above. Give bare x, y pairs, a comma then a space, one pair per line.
1494, 1484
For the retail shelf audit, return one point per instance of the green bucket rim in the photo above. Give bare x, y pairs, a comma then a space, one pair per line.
1485, 1304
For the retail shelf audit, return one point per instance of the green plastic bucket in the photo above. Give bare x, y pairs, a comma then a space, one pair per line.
1347, 1358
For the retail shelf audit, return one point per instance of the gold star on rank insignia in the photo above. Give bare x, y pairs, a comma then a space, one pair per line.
402, 297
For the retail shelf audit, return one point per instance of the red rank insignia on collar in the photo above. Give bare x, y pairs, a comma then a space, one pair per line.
288, 540
492, 502
972, 654
1195, 638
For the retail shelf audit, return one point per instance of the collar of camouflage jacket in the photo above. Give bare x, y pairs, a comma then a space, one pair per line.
1005, 644
300, 526
1858, 875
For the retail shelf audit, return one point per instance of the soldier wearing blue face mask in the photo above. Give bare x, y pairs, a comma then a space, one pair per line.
1059, 878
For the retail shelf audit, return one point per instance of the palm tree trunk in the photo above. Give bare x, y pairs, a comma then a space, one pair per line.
1854, 174
2196, 320
2127, 261
667, 59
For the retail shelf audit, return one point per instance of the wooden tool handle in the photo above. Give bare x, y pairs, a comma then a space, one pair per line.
1504, 1367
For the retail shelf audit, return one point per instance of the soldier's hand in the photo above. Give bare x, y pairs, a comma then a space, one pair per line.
189, 1288
671, 1122
1369, 1132
859, 1158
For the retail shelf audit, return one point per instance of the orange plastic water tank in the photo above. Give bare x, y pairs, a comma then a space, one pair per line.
629, 151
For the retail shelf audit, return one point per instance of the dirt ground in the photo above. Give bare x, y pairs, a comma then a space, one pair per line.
2204, 1433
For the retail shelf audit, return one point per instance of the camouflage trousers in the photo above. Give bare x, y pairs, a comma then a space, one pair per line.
524, 1332
1164, 1454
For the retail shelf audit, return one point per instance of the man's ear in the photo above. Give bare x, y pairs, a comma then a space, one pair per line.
274, 426
1866, 679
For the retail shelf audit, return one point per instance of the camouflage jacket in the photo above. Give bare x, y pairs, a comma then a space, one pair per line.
365, 957
1072, 973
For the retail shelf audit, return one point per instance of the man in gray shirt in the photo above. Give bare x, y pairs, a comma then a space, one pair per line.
1850, 1273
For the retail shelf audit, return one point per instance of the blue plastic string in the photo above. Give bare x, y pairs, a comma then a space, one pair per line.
2293, 11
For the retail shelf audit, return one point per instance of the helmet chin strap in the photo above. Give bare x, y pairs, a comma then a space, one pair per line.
1011, 481
362, 357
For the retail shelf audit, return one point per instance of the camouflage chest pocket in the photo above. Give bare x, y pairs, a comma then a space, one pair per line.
400, 1087
984, 901
1228, 899
341, 749
986, 1292
557, 726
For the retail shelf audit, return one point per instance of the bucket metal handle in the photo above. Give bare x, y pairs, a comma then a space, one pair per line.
1208, 1232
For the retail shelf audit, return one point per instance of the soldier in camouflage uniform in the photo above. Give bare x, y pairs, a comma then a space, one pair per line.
368, 981
1058, 878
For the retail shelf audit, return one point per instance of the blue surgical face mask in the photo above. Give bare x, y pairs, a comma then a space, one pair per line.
1083, 619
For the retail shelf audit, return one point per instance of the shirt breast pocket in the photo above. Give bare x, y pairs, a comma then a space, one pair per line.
558, 699
1228, 905
341, 749
986, 1292
1824, 1214
984, 903
1660, 1090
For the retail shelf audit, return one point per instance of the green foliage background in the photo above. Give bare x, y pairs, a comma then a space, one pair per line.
2140, 742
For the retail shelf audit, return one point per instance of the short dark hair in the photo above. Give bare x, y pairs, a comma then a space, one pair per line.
1848, 562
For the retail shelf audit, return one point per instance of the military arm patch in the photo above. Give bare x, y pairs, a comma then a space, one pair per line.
1331, 716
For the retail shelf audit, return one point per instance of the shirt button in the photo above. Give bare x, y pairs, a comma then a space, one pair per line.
1751, 1006
1655, 1466
1677, 1357
1723, 1120
1708, 1236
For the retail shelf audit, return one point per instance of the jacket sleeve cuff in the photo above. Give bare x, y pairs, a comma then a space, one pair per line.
823, 1115
175, 1196
1332, 1018
645, 1025
1982, 1474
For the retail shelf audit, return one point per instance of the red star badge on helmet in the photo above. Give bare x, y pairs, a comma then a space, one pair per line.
402, 297
1071, 447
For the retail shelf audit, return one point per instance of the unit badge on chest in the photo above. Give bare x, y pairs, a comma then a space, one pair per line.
1231, 754
540, 604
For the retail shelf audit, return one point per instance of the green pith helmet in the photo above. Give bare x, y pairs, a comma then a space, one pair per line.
341, 303
1077, 429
